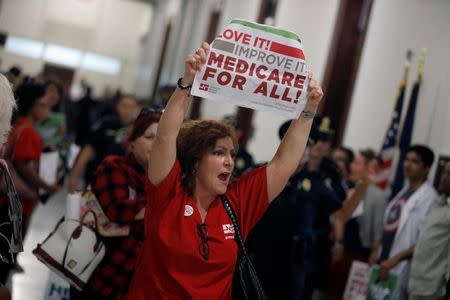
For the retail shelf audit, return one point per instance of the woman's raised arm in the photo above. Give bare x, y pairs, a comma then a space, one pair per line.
164, 149
291, 149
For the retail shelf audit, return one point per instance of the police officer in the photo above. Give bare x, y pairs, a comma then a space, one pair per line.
317, 190
284, 242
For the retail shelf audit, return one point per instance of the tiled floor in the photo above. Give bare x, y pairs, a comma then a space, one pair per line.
31, 284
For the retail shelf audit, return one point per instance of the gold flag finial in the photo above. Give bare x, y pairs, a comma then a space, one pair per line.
409, 56
423, 54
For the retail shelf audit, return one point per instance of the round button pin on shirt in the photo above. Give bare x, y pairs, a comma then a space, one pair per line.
188, 211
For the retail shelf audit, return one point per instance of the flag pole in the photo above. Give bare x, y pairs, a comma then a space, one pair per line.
423, 54
409, 57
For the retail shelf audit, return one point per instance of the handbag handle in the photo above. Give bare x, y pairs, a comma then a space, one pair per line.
97, 247
82, 221
77, 232
238, 237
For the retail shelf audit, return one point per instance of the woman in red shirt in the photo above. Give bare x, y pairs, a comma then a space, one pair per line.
119, 185
189, 250
24, 146
26, 143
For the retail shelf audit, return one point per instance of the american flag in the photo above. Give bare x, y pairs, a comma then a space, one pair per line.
389, 146
405, 139
407, 131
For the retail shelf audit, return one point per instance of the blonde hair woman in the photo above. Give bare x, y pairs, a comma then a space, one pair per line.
7, 105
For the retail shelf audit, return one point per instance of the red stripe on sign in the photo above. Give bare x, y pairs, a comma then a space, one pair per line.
286, 50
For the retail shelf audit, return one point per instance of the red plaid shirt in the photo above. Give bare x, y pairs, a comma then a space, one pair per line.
119, 185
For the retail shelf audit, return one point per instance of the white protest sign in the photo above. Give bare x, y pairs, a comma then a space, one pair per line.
255, 66
356, 287
48, 168
57, 288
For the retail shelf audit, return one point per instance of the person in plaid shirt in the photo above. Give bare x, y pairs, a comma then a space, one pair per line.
119, 185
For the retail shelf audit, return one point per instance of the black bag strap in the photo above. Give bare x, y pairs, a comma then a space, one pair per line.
238, 236
251, 269
15, 210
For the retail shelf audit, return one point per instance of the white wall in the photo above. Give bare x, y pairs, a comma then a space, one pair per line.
190, 30
394, 27
314, 22
109, 27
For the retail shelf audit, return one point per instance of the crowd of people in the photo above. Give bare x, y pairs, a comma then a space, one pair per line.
306, 215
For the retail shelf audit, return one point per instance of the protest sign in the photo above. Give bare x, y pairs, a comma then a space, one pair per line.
363, 283
48, 168
57, 288
255, 66
381, 290
356, 287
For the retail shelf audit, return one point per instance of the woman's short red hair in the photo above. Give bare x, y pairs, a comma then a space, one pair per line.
141, 124
194, 140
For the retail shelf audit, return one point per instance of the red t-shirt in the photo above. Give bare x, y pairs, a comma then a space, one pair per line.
170, 265
27, 145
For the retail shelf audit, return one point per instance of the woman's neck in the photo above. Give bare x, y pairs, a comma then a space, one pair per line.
202, 198
30, 118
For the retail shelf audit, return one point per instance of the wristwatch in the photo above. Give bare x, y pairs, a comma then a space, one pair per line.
307, 114
181, 86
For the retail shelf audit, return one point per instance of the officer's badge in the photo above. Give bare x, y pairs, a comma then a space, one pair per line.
240, 163
306, 184
328, 182
325, 125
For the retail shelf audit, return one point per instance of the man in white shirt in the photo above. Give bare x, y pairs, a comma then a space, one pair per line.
404, 218
431, 260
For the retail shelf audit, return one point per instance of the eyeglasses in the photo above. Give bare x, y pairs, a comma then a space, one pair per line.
203, 248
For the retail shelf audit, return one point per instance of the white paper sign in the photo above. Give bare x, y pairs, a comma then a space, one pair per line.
255, 66
57, 288
73, 153
358, 279
73, 206
48, 168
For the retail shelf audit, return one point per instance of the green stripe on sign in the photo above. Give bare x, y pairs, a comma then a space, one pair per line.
274, 30
223, 45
